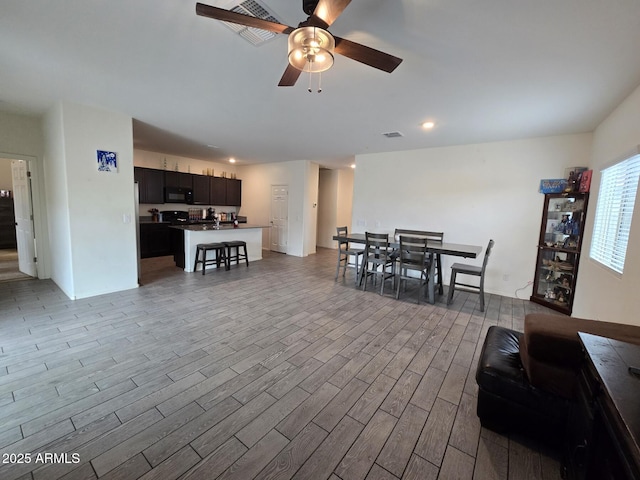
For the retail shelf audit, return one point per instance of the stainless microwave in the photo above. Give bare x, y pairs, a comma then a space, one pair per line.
178, 195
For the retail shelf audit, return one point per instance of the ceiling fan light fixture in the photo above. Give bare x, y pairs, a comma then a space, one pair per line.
311, 49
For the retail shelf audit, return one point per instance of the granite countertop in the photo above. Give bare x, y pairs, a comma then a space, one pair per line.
208, 226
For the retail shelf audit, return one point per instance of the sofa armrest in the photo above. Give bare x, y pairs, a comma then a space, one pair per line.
551, 353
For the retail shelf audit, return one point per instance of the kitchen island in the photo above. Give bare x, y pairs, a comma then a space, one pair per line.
187, 237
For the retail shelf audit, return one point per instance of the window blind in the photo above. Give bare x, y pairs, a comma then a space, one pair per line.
612, 224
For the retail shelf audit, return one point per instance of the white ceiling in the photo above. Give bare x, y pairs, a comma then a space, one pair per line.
482, 70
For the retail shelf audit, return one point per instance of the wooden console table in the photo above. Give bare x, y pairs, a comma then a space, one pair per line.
604, 426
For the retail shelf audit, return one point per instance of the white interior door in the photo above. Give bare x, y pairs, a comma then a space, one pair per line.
279, 218
24, 219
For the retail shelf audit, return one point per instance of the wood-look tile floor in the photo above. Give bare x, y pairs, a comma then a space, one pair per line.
269, 372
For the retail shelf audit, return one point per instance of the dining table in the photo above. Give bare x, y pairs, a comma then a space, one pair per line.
433, 248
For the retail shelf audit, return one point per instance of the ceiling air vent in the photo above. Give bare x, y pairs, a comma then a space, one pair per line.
255, 36
393, 134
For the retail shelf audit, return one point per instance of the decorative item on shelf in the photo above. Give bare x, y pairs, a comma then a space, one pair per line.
571, 174
165, 163
570, 242
5, 193
553, 185
584, 181
155, 214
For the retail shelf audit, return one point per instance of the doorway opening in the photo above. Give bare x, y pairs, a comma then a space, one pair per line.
17, 241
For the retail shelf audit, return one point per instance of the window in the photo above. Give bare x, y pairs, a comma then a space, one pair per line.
616, 199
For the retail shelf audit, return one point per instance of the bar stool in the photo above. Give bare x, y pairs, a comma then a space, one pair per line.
237, 256
221, 256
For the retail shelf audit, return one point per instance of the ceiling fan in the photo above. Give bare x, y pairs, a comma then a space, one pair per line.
311, 46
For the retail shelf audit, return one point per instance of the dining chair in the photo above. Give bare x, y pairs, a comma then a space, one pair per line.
377, 260
436, 237
464, 269
412, 258
432, 237
345, 251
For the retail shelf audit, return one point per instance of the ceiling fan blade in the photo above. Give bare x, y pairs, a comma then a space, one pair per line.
367, 55
290, 76
327, 11
233, 17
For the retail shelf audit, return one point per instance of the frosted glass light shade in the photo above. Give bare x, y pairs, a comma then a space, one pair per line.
311, 49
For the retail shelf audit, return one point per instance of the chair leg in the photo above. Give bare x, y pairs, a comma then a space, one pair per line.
364, 273
246, 256
226, 259
204, 260
338, 265
357, 258
195, 263
482, 295
346, 264
439, 269
452, 284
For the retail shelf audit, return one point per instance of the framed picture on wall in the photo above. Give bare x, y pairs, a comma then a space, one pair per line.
107, 161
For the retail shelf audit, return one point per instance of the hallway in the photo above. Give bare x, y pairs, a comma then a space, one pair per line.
9, 266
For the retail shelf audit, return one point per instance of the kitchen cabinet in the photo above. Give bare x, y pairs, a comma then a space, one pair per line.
178, 179
225, 192
207, 190
7, 224
559, 246
201, 189
234, 192
155, 240
150, 184
218, 193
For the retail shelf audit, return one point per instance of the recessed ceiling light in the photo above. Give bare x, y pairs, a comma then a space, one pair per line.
353, 165
232, 160
428, 125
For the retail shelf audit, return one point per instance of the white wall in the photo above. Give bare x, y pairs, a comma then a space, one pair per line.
310, 208
256, 199
472, 193
57, 195
91, 213
6, 183
601, 293
345, 199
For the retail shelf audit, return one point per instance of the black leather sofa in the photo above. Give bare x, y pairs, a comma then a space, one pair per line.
527, 380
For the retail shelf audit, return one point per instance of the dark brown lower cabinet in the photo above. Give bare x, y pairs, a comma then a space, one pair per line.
155, 240
604, 423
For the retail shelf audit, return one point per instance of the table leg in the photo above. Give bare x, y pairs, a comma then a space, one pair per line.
431, 290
